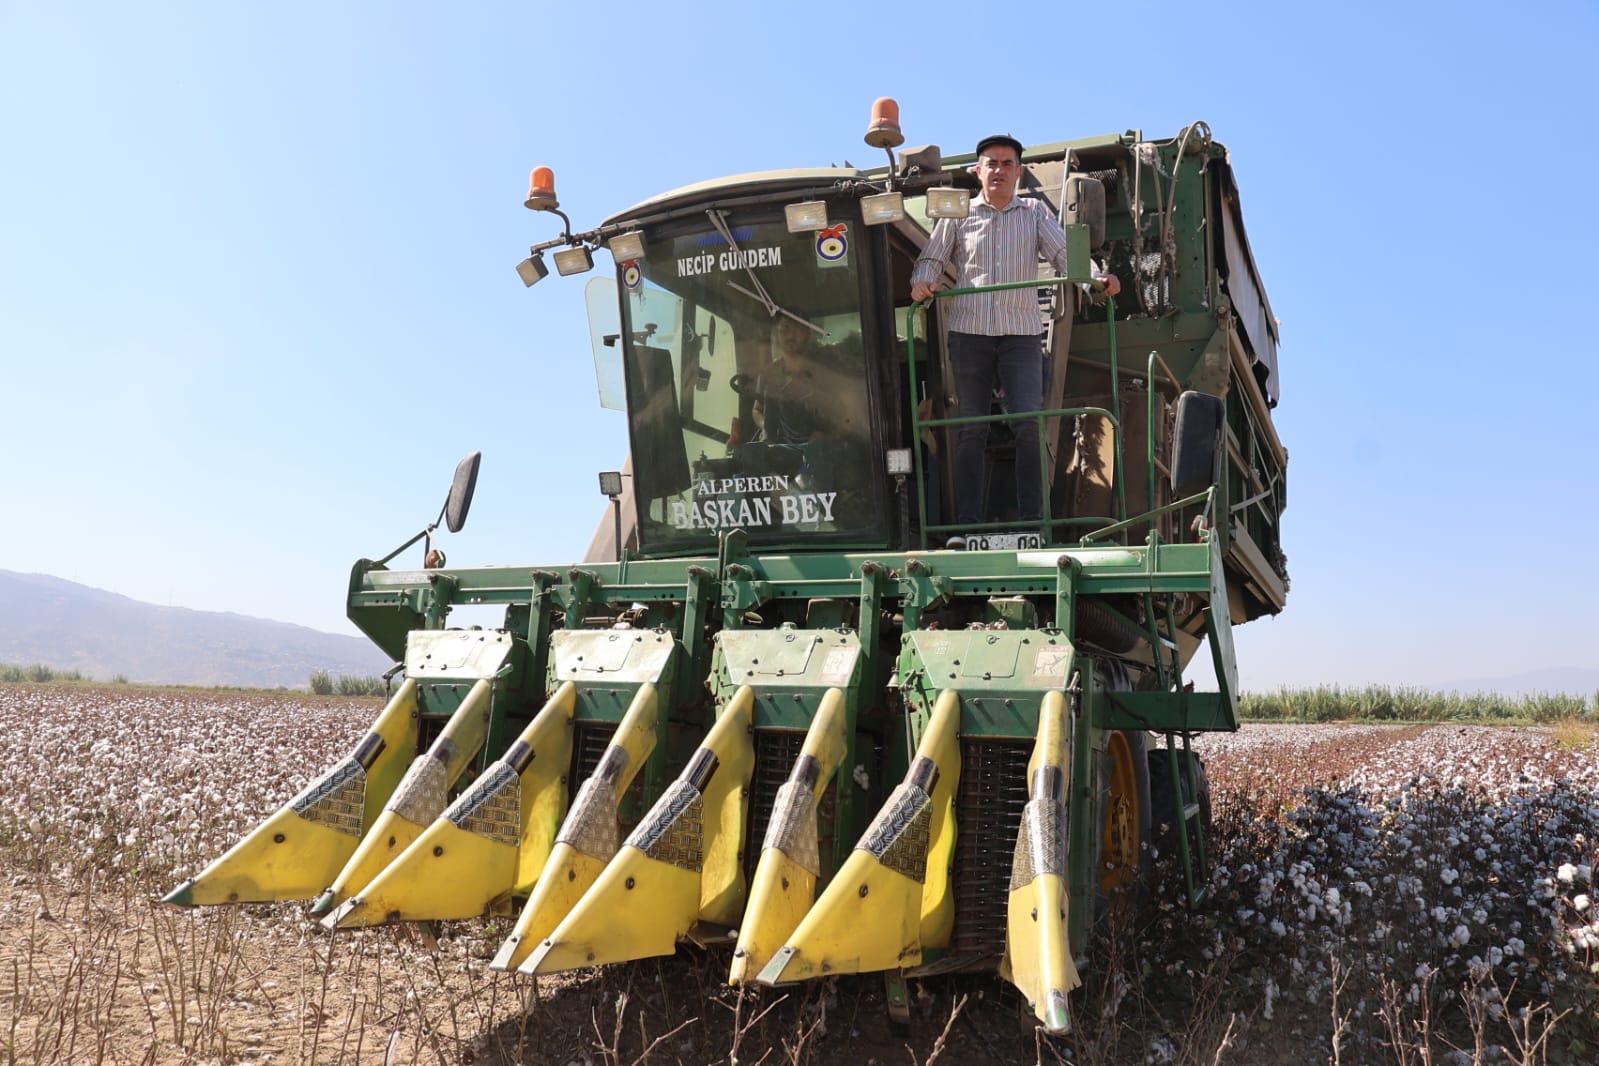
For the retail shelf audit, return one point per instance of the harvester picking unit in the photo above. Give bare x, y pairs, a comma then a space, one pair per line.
775, 706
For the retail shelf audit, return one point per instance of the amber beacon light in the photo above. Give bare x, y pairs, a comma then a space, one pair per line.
541, 190
883, 130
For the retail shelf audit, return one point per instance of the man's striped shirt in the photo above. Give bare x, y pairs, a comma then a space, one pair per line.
992, 247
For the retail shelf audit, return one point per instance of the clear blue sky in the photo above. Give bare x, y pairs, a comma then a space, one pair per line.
257, 291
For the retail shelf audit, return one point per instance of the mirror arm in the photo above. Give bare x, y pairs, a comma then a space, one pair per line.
425, 532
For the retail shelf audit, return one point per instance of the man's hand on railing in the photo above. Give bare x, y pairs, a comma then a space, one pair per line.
922, 290
1111, 282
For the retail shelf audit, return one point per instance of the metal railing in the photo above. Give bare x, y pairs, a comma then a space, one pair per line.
1046, 525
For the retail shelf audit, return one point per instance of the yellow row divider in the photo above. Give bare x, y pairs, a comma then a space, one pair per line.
1037, 957
892, 896
420, 798
678, 868
492, 842
296, 852
784, 886
588, 838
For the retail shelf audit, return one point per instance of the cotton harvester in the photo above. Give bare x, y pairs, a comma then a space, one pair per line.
776, 705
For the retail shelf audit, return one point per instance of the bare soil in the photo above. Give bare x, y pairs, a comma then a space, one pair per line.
93, 969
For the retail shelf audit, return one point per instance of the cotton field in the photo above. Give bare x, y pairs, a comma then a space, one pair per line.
1409, 868
1377, 893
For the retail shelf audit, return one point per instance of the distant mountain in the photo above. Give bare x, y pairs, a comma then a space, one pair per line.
68, 626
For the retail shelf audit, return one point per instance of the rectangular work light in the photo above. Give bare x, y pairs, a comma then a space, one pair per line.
948, 203
883, 207
807, 217
569, 261
627, 246
532, 269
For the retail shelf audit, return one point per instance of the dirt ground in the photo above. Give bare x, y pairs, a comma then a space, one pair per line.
110, 795
98, 973
94, 975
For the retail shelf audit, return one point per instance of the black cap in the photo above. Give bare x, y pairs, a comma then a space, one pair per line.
1001, 138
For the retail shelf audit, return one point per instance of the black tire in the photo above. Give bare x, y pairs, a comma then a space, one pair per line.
1097, 625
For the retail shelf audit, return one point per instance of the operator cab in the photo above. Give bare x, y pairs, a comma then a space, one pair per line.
778, 380
751, 362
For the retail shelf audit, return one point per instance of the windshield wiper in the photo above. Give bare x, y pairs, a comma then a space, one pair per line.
760, 294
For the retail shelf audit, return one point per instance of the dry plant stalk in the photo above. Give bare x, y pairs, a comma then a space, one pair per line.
937, 1051
741, 1028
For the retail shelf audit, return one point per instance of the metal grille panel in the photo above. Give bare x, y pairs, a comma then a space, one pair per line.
589, 743
1154, 286
588, 746
775, 754
988, 816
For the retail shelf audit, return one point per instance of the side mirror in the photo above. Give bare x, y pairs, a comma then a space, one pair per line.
1196, 444
460, 498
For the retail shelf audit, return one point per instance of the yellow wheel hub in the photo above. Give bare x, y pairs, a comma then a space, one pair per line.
1119, 854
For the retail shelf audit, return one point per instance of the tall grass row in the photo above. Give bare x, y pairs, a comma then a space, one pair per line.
1381, 703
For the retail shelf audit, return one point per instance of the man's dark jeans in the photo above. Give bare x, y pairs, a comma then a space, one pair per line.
1018, 363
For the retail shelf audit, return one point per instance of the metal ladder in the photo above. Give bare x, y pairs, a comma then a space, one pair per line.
1196, 864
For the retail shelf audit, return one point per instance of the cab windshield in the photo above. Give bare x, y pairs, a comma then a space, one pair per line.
746, 384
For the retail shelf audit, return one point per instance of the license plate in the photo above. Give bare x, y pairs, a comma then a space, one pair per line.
981, 542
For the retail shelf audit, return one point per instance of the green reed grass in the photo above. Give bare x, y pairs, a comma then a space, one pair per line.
1382, 703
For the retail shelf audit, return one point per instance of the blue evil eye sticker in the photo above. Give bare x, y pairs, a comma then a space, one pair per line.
632, 276
831, 244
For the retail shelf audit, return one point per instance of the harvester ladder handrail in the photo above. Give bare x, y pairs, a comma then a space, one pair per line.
1175, 505
1189, 813
1175, 682
1149, 418
1048, 523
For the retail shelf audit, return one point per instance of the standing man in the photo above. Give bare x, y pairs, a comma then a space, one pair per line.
996, 334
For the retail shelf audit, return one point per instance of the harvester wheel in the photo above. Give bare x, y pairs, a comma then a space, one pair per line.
1124, 854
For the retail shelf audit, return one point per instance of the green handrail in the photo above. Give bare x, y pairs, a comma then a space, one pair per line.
1048, 523
1175, 505
1149, 380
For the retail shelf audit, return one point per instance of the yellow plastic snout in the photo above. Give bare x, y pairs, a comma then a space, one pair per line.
784, 886
492, 842
296, 852
418, 800
1037, 956
678, 868
588, 837
891, 898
